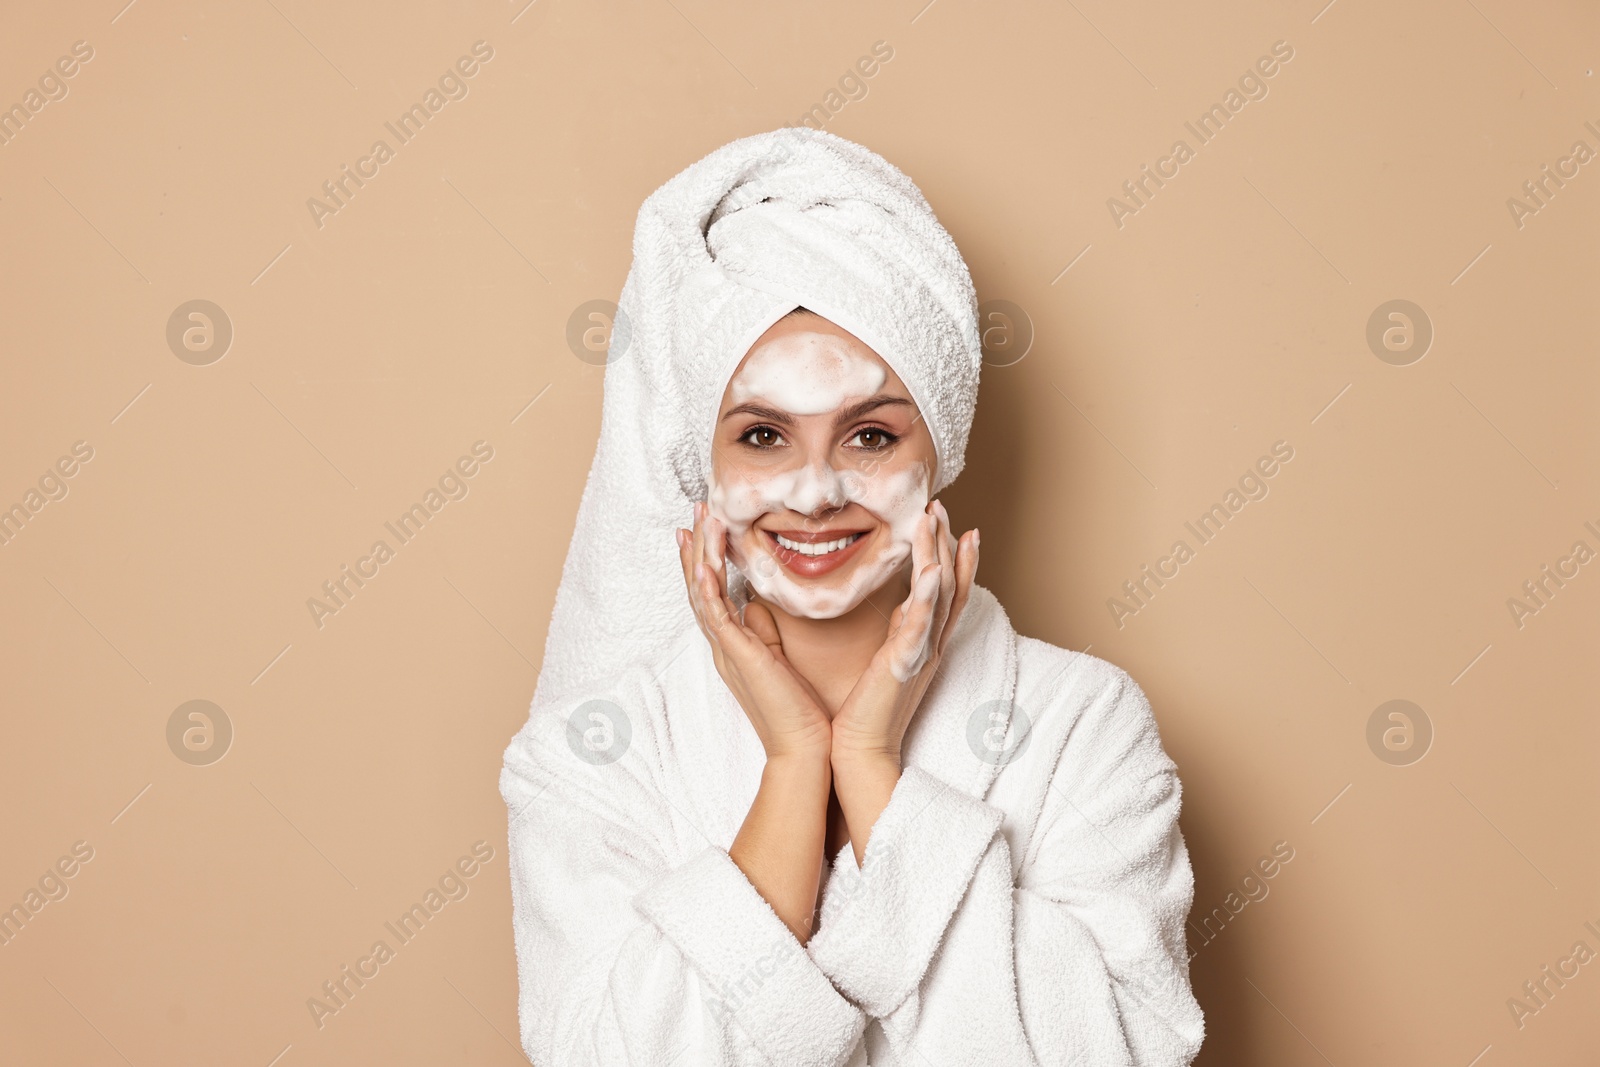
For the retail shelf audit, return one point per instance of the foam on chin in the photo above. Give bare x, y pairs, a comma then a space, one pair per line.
898, 498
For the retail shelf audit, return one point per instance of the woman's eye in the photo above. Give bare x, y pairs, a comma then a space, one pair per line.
874, 439
762, 437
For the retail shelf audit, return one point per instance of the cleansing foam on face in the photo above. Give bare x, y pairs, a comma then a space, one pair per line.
816, 374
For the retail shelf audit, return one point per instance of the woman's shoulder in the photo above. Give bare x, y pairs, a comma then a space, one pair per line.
1066, 674
623, 709
613, 709
1081, 702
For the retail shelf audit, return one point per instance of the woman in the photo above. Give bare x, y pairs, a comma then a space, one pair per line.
792, 790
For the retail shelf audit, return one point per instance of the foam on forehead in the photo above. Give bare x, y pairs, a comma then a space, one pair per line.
949, 436
807, 374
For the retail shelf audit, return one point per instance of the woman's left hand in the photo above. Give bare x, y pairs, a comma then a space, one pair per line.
871, 723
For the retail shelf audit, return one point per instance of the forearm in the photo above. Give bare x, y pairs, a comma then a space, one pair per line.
864, 785
780, 845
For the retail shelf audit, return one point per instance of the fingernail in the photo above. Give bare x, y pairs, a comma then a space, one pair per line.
977, 536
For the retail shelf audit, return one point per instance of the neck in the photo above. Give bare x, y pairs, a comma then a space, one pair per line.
832, 654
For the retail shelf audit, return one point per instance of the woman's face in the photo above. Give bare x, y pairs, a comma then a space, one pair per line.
821, 468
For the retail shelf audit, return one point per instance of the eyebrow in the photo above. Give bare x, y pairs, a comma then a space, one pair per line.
854, 411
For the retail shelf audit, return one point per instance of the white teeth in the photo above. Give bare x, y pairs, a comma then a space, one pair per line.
821, 548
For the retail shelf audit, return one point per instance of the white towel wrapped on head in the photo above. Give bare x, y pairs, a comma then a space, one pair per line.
768, 223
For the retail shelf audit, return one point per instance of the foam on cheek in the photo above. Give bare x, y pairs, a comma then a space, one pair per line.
898, 498
741, 503
814, 375
807, 375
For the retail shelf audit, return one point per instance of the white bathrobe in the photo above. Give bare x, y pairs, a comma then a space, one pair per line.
1022, 900
1024, 892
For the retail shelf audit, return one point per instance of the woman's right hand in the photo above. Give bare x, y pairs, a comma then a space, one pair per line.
784, 708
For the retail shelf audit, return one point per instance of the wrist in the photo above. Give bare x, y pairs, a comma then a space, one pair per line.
865, 758
799, 765
864, 775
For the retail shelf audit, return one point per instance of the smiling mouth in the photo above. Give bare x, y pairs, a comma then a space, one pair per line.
816, 548
810, 555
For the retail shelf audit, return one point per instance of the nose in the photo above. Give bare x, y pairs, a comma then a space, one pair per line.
819, 489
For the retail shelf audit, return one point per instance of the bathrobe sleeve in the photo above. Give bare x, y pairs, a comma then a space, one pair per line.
1074, 956
631, 949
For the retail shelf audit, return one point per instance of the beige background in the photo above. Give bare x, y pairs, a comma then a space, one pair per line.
1228, 313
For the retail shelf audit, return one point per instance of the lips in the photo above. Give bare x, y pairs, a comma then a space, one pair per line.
800, 562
